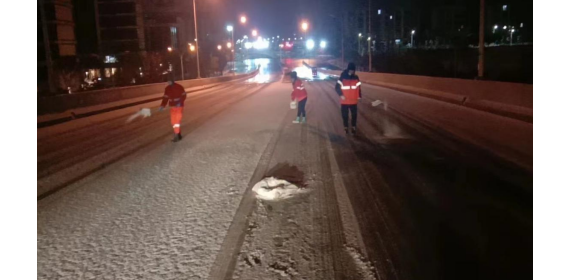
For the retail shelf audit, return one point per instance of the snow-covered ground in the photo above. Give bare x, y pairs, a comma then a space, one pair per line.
161, 214
384, 204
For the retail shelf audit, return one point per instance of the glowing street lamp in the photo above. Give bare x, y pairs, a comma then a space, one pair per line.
219, 47
254, 33
511, 41
304, 26
243, 19
230, 28
229, 45
310, 44
169, 49
413, 32
495, 28
192, 48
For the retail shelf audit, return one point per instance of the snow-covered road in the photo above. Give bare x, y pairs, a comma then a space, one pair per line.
119, 201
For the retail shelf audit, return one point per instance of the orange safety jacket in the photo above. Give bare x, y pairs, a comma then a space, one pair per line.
350, 89
299, 91
175, 95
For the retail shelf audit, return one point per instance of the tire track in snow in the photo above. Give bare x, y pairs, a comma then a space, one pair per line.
226, 259
131, 144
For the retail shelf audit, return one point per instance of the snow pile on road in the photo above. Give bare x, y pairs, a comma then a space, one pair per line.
272, 188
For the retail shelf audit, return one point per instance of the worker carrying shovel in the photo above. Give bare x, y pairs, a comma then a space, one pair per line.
174, 95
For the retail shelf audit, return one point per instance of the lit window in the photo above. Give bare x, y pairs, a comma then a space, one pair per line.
110, 59
173, 36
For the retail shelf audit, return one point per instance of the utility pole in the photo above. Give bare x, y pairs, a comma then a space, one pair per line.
342, 38
481, 66
182, 65
369, 38
232, 49
196, 34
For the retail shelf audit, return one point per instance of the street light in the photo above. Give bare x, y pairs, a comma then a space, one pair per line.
511, 41
310, 44
413, 32
323, 44
243, 19
359, 48
254, 33
495, 28
196, 39
304, 26
230, 28
219, 47
181, 62
229, 45
192, 48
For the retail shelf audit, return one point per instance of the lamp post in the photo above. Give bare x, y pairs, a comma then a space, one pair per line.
196, 33
511, 40
181, 54
359, 48
369, 34
230, 28
413, 32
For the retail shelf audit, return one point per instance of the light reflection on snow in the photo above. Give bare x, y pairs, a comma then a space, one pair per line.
306, 73
264, 75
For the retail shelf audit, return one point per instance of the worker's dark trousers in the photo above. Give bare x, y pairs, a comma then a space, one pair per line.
301, 108
353, 112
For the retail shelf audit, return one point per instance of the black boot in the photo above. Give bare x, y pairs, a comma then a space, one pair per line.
346, 130
177, 137
354, 130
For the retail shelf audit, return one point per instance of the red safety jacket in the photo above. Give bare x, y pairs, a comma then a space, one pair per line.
175, 95
351, 90
299, 91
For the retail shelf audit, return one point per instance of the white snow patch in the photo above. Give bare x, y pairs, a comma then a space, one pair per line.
376, 103
365, 269
275, 189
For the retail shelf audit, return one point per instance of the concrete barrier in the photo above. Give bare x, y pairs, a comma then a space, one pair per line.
61, 103
507, 99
